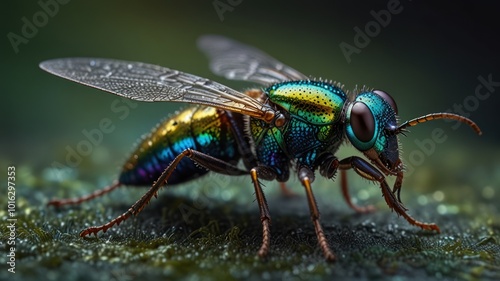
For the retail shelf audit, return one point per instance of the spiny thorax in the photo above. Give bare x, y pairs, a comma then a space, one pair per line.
314, 125
317, 102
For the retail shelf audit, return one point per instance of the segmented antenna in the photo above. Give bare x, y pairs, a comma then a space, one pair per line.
440, 115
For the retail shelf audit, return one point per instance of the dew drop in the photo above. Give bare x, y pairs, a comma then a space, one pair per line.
438, 196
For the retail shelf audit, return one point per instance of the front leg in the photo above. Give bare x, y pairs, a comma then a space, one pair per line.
328, 167
348, 198
367, 171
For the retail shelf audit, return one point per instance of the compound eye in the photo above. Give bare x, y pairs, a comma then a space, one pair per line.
362, 122
388, 99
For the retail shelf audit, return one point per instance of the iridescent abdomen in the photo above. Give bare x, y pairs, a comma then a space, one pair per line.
205, 129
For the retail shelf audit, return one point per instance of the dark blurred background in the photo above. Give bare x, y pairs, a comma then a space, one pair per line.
428, 56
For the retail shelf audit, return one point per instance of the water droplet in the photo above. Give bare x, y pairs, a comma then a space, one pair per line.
422, 200
438, 196
363, 195
442, 209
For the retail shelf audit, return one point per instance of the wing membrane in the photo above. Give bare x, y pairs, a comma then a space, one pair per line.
237, 61
147, 82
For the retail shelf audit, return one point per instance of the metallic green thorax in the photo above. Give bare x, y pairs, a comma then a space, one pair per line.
317, 103
314, 126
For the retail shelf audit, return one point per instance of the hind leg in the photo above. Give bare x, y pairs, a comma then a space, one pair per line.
78, 200
202, 159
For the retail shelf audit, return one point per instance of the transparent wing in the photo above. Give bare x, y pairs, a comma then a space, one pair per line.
147, 82
237, 61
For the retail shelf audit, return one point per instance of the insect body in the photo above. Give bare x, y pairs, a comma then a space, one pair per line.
295, 124
205, 129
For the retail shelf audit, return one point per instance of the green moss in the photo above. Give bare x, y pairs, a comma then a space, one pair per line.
178, 237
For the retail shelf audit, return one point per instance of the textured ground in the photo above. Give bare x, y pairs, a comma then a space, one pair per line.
198, 232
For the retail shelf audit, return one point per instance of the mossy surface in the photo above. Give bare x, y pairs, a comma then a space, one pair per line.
191, 233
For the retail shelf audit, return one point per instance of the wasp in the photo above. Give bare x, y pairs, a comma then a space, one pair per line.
293, 124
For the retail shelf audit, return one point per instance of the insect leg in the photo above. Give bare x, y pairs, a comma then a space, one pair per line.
78, 200
369, 172
265, 216
347, 196
305, 177
202, 159
248, 157
398, 184
328, 168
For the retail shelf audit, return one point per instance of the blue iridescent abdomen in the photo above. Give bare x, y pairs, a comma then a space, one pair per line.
205, 129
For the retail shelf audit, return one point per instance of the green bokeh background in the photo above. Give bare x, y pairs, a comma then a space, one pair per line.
429, 58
